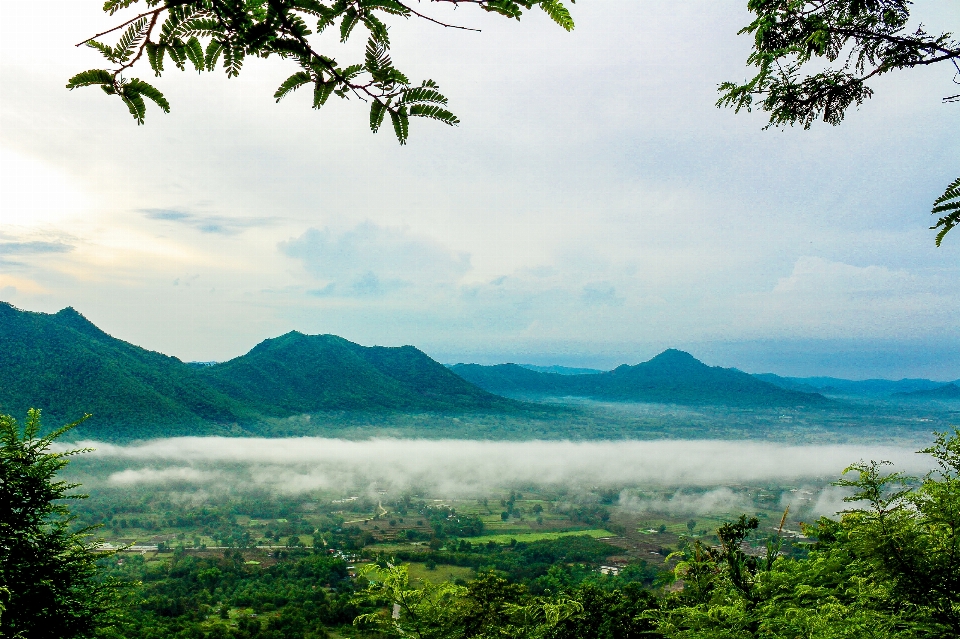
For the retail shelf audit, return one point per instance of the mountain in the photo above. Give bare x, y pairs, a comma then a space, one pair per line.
297, 373
66, 366
860, 388
562, 370
673, 377
947, 391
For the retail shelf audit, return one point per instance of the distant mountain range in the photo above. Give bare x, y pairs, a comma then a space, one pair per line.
671, 377
868, 388
66, 366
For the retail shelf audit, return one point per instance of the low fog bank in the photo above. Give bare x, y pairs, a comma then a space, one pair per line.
458, 468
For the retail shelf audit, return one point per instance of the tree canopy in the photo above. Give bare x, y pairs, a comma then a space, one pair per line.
792, 41
202, 33
49, 580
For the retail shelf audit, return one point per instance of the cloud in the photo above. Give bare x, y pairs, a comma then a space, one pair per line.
23, 249
815, 275
473, 468
370, 260
218, 224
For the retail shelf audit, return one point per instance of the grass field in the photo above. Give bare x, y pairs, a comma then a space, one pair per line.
441, 573
537, 536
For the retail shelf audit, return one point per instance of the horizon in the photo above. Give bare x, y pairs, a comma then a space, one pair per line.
541, 363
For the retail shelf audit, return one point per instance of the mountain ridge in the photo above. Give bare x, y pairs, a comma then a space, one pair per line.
672, 377
65, 365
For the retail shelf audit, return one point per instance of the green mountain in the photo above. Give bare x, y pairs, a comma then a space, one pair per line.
297, 373
66, 366
672, 377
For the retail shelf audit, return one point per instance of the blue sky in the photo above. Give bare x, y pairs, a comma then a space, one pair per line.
593, 207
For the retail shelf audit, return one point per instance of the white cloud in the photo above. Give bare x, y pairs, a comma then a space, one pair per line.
476, 467
374, 260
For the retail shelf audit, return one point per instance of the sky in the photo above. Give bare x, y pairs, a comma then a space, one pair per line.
592, 208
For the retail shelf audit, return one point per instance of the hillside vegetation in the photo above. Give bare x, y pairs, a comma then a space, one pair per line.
66, 366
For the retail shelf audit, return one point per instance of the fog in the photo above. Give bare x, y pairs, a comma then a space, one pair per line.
457, 468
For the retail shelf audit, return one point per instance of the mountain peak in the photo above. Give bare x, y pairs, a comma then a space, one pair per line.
674, 357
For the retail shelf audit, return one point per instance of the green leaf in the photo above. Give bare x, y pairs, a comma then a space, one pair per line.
322, 91
350, 20
505, 8
291, 84
88, 78
377, 110
106, 51
948, 203
558, 13
151, 92
155, 54
401, 124
214, 49
194, 51
422, 94
434, 112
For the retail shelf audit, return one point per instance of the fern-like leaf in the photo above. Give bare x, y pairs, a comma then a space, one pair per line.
91, 77
322, 91
422, 94
291, 84
151, 92
128, 42
105, 50
401, 124
155, 53
194, 51
948, 203
134, 102
558, 13
377, 110
505, 8
434, 112
350, 20
214, 49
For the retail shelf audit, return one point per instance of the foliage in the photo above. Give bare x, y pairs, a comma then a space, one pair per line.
868, 37
48, 571
201, 32
888, 567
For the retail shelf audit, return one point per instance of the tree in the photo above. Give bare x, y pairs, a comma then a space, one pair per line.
869, 38
48, 571
201, 32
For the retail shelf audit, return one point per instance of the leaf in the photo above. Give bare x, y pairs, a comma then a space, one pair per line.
322, 91
401, 124
948, 203
422, 94
88, 78
155, 54
377, 110
105, 50
558, 13
135, 103
291, 84
214, 49
194, 51
504, 7
434, 112
350, 20
151, 92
